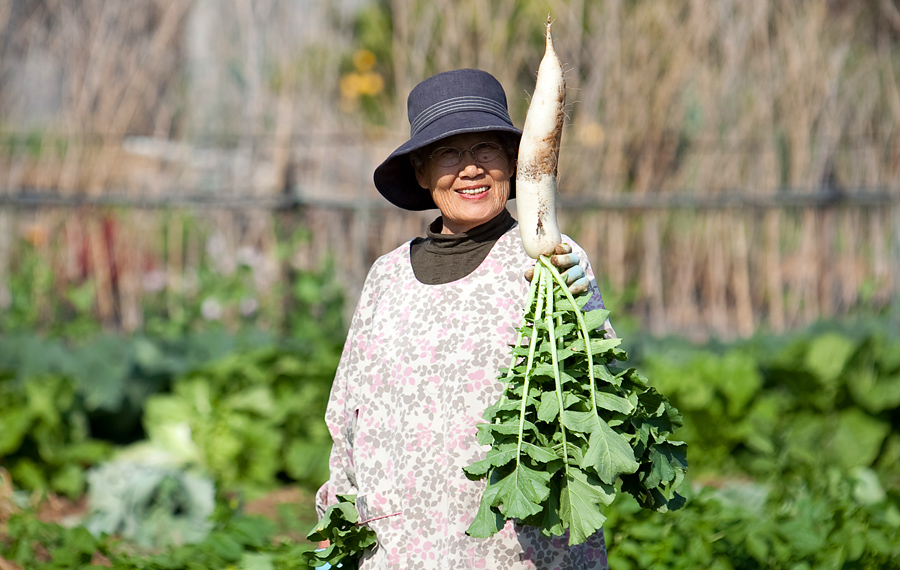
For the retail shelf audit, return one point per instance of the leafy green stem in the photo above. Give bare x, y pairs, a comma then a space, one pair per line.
547, 288
529, 364
529, 299
582, 326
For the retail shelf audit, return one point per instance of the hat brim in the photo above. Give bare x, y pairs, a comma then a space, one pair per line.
395, 178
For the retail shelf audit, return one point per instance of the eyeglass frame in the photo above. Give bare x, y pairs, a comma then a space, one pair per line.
460, 151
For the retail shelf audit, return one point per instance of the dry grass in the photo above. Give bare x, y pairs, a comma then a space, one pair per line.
706, 97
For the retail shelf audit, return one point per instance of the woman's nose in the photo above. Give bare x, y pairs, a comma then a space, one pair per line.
470, 166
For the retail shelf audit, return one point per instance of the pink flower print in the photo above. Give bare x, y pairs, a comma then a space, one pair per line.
440, 520
475, 380
405, 375
428, 351
410, 479
393, 556
364, 446
509, 529
428, 551
506, 331
434, 380
421, 550
376, 502
483, 383
375, 382
468, 345
506, 302
491, 266
424, 435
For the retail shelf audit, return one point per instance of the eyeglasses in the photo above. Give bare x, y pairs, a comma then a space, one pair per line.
482, 153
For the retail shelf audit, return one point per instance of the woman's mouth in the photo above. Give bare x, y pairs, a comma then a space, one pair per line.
474, 191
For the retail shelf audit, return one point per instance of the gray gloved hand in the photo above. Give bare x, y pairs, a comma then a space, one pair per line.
568, 265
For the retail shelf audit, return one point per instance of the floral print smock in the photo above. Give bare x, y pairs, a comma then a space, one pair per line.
419, 367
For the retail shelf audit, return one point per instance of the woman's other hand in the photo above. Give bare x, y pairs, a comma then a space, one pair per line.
568, 265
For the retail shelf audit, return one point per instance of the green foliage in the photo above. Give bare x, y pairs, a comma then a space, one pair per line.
827, 397
64, 406
346, 538
238, 541
37, 545
815, 519
250, 418
45, 442
568, 429
793, 445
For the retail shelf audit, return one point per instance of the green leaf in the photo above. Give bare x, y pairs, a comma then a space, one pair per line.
827, 354
598, 345
488, 521
613, 403
16, 424
609, 454
858, 438
867, 489
563, 303
521, 492
549, 408
563, 330
579, 502
539, 454
583, 422
495, 458
595, 319
347, 539
662, 470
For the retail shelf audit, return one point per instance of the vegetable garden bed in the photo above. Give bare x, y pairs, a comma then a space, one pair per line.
793, 444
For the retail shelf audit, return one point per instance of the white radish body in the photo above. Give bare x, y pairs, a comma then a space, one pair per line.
538, 155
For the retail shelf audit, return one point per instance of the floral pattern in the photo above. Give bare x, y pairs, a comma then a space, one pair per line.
418, 369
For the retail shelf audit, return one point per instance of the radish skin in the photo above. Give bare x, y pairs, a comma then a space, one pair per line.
536, 168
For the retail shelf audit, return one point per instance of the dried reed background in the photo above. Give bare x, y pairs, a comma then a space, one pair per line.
236, 108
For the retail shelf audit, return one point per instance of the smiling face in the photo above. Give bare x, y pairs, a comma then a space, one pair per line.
469, 193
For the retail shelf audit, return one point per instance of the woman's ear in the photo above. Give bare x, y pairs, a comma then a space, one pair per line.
421, 178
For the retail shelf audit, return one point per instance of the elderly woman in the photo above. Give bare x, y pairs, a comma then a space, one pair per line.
433, 327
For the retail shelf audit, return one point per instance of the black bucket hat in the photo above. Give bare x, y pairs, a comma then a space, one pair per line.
449, 103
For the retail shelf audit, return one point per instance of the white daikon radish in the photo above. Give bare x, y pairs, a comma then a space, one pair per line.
538, 153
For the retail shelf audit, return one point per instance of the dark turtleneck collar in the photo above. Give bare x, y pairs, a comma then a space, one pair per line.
442, 258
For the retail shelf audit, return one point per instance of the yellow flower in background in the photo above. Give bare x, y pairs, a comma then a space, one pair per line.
362, 82
371, 83
355, 85
350, 86
363, 60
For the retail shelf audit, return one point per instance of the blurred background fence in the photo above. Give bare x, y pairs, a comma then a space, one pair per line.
728, 166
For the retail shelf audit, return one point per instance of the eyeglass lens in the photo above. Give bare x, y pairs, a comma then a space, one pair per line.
481, 152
